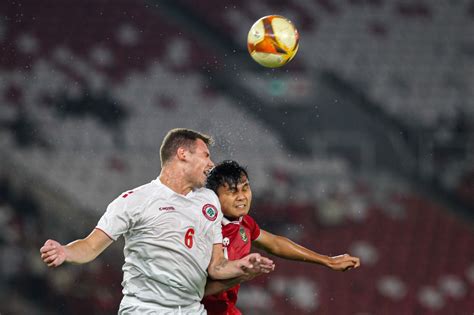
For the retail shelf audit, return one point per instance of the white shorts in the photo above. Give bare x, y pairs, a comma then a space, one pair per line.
130, 305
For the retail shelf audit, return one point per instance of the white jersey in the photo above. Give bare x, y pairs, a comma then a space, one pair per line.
168, 242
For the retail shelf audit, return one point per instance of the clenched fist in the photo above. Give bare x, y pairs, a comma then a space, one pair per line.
343, 262
53, 253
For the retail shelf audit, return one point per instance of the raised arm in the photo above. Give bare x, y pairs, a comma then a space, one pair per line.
283, 247
220, 268
78, 252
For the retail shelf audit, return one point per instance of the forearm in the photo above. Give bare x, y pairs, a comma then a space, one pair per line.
287, 249
80, 252
225, 269
217, 286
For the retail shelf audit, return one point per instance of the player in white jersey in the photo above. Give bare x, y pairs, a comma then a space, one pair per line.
172, 232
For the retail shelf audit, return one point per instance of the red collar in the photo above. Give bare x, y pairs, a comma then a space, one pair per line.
226, 221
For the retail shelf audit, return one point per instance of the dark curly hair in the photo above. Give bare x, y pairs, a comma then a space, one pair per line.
226, 172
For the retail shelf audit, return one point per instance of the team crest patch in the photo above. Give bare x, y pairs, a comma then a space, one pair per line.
210, 212
243, 235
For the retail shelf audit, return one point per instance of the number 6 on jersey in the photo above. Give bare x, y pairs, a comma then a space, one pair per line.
188, 238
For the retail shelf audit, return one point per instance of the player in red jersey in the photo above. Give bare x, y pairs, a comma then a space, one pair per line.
230, 182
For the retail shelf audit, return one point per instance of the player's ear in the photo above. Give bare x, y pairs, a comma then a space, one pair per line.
181, 153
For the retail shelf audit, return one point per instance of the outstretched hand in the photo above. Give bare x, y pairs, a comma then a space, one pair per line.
254, 265
53, 253
343, 262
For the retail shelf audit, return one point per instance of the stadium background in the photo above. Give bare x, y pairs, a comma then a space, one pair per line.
363, 143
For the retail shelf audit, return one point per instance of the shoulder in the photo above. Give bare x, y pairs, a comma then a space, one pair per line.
252, 225
206, 191
135, 197
209, 194
249, 221
210, 201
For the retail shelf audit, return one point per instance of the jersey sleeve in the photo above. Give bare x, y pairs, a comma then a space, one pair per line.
118, 218
253, 227
217, 227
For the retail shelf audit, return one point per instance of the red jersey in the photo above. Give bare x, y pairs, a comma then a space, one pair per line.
237, 237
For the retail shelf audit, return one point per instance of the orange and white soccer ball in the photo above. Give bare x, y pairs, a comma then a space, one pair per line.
273, 41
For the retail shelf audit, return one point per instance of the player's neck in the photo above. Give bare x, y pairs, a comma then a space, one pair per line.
174, 179
233, 219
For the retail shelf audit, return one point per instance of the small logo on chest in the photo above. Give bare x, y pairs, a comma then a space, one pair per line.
210, 212
243, 235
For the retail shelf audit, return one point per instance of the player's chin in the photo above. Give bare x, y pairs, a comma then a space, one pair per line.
239, 212
200, 183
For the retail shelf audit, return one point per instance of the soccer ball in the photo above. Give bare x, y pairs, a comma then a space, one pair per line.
272, 41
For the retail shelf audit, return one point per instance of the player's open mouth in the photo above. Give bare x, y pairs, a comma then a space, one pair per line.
241, 206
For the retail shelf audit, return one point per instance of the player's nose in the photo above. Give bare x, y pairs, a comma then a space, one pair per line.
240, 195
211, 164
